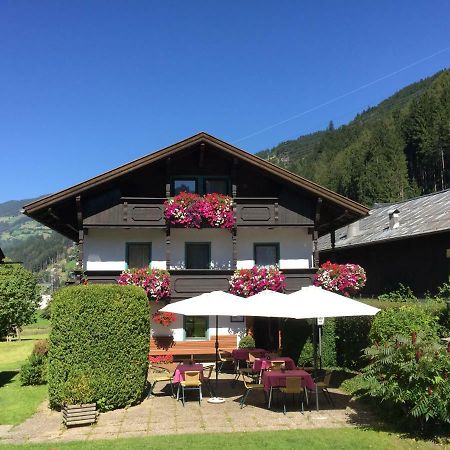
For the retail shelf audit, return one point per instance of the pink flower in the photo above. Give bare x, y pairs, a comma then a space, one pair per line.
247, 282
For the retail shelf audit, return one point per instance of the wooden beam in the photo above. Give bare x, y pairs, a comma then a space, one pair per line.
316, 232
80, 235
234, 240
201, 161
168, 247
168, 173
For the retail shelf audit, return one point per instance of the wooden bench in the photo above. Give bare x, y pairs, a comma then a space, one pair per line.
165, 345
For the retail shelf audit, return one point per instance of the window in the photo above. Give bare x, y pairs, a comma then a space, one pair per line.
188, 185
195, 327
198, 255
201, 185
267, 254
216, 185
138, 255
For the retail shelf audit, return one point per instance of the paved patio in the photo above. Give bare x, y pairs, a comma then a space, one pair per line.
162, 414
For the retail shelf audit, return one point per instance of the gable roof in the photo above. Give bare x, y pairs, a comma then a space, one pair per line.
418, 216
37, 208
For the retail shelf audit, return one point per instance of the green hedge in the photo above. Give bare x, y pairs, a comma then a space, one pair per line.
99, 343
344, 339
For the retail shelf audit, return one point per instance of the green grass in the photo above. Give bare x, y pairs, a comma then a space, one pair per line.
336, 439
19, 402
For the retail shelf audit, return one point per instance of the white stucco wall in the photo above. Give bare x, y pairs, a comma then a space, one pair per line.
176, 329
105, 249
296, 246
221, 246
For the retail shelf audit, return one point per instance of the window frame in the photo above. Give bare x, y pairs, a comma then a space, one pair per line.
196, 243
202, 338
267, 244
200, 182
127, 253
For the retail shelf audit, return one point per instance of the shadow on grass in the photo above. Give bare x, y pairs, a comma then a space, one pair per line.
7, 376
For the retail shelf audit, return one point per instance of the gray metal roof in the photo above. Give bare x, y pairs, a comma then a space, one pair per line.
417, 216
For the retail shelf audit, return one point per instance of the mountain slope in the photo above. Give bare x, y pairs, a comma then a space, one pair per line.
393, 151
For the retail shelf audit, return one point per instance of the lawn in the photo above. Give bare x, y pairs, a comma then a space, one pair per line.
19, 402
336, 439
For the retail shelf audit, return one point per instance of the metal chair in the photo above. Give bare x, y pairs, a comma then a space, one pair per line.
158, 374
249, 387
294, 386
224, 357
207, 379
191, 383
323, 385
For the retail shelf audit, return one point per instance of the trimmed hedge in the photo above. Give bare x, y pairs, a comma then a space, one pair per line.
99, 344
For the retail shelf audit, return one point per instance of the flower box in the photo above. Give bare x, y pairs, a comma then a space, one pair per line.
195, 211
247, 282
155, 282
345, 279
84, 414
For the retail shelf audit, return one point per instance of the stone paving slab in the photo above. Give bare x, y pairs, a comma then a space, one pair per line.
162, 415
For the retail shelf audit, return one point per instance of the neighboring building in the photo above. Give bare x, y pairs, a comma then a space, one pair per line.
406, 242
117, 219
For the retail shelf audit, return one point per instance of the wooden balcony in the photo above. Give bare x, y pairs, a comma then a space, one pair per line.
189, 283
148, 212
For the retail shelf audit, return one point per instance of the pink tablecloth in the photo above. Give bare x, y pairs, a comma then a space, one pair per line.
241, 354
264, 364
181, 368
277, 378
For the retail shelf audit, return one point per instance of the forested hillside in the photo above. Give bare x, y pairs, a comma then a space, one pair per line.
23, 239
396, 150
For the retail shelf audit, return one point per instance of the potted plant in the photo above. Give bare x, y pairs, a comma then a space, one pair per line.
79, 407
247, 282
194, 211
345, 279
155, 282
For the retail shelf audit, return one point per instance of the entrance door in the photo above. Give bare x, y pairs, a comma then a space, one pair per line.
265, 332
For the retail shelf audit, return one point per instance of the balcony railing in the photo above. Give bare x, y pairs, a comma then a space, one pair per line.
149, 212
189, 283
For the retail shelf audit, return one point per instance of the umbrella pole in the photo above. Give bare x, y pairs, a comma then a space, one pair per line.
315, 330
217, 350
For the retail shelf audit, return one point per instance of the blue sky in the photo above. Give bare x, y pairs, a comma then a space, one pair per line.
86, 86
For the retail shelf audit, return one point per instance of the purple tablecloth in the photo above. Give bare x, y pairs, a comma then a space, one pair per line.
277, 378
264, 364
241, 354
181, 368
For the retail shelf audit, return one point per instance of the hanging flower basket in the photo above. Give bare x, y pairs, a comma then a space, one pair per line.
345, 279
155, 282
247, 282
164, 318
194, 211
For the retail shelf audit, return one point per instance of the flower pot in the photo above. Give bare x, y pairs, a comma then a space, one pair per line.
85, 414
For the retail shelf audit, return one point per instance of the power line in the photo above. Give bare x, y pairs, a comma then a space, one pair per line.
340, 97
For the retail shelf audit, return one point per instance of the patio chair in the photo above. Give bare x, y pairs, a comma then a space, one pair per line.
323, 385
224, 357
158, 374
294, 386
207, 379
250, 386
277, 365
191, 383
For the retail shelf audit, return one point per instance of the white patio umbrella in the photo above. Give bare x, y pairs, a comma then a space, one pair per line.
215, 303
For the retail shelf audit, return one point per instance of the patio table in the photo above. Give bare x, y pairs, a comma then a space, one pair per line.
264, 364
241, 354
277, 378
181, 368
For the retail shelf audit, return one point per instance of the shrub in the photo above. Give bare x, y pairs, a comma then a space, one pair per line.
247, 282
19, 297
247, 342
411, 376
389, 323
402, 294
345, 279
34, 371
99, 344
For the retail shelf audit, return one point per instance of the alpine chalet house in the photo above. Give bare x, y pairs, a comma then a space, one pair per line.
118, 220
